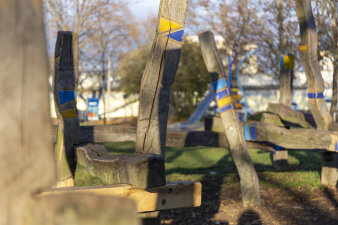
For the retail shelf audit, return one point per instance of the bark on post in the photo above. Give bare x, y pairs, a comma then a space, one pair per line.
317, 104
239, 151
158, 76
65, 84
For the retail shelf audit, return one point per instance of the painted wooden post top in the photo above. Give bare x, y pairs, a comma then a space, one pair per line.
287, 62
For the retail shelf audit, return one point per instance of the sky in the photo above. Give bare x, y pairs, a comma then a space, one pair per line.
142, 8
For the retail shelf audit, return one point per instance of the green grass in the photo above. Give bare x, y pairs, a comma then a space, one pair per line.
208, 163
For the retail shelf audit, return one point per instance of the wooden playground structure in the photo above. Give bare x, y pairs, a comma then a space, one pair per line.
37, 186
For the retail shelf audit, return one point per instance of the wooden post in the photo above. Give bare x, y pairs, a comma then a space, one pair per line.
308, 52
158, 76
107, 103
238, 148
65, 84
280, 155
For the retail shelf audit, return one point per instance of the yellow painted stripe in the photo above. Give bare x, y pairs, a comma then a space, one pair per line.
166, 25
224, 101
71, 113
238, 106
303, 48
57, 60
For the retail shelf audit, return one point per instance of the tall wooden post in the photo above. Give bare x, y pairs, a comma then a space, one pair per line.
65, 84
280, 155
158, 76
107, 103
26, 134
239, 151
319, 110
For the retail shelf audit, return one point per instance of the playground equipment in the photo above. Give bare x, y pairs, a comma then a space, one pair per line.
142, 174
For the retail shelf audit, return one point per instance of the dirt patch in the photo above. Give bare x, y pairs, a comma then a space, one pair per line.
221, 204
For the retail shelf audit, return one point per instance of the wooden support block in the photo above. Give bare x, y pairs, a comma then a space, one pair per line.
308, 53
280, 158
272, 118
158, 76
329, 174
238, 148
288, 115
27, 159
287, 63
173, 195
65, 84
81, 208
141, 170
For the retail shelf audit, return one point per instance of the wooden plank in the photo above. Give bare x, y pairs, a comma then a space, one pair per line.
173, 195
158, 76
65, 84
26, 142
295, 138
288, 115
272, 118
286, 78
141, 170
81, 208
308, 53
238, 148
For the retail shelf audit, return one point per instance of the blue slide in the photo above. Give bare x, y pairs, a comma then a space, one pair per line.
200, 109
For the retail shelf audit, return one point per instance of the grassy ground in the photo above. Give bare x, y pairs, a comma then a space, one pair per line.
198, 163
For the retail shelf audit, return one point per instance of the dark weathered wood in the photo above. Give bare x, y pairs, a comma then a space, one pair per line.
329, 175
81, 208
141, 170
158, 76
286, 78
27, 160
173, 195
239, 151
65, 84
295, 138
308, 53
288, 115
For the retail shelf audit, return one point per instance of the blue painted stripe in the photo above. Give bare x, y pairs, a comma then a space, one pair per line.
253, 133
220, 84
336, 147
278, 148
247, 133
226, 108
315, 95
281, 62
222, 94
66, 96
177, 36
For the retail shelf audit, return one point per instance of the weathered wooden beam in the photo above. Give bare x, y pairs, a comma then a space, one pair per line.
238, 148
65, 85
158, 76
272, 118
26, 142
288, 115
308, 53
141, 170
295, 138
173, 195
81, 208
287, 63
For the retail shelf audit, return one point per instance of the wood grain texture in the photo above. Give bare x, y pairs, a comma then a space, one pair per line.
65, 85
158, 76
173, 195
272, 118
308, 53
238, 148
288, 115
141, 170
80, 209
26, 152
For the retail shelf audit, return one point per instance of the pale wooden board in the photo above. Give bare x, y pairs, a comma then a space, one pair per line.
238, 148
286, 79
26, 152
171, 196
157, 78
